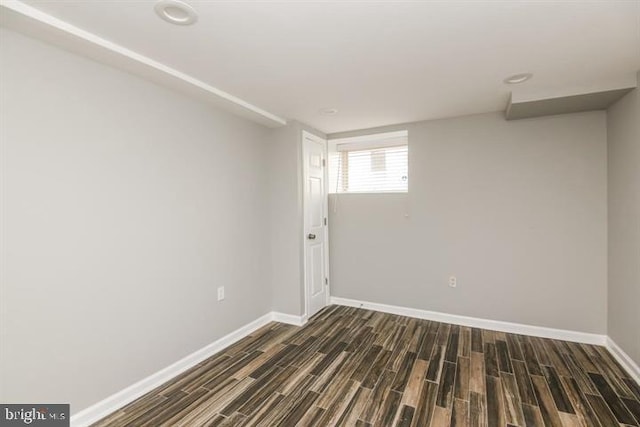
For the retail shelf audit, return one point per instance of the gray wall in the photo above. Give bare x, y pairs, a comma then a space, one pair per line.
287, 268
124, 207
623, 130
516, 210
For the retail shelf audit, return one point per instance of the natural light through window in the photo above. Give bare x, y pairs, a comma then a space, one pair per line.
369, 164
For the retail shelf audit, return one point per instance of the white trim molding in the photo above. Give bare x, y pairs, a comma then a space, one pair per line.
116, 401
288, 318
495, 325
623, 358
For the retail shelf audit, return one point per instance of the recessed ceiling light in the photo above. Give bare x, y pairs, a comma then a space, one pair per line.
329, 111
518, 78
176, 12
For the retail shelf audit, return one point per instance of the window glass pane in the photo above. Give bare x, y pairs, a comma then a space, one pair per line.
374, 169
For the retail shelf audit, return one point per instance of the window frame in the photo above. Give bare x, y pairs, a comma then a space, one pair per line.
370, 142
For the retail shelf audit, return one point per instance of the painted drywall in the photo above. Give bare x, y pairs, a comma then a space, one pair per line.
124, 206
623, 135
286, 220
516, 210
286, 231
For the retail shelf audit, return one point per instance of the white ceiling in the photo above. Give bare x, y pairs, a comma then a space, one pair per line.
377, 62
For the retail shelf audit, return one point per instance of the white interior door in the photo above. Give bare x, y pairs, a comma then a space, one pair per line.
315, 223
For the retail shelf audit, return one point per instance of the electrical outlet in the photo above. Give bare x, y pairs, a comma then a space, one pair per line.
452, 281
220, 293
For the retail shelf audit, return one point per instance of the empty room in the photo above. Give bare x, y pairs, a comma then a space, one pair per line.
319, 213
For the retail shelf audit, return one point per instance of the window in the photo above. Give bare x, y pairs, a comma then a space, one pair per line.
369, 164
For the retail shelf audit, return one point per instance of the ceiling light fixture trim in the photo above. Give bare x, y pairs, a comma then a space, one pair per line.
518, 78
176, 12
329, 111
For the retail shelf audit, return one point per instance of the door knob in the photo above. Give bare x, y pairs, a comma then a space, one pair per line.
311, 236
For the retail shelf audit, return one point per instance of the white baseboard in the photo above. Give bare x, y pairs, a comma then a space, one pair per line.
515, 328
289, 318
116, 401
495, 325
623, 358
129, 394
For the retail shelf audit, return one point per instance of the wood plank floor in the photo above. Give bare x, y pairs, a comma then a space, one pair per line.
355, 367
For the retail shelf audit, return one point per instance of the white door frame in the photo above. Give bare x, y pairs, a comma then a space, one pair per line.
316, 138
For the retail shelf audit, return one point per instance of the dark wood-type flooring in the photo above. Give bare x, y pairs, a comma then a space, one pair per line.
355, 367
